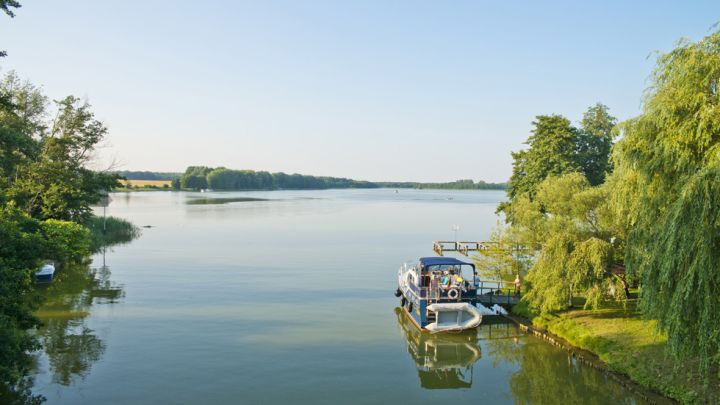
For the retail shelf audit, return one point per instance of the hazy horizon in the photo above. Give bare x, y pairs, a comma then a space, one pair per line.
402, 91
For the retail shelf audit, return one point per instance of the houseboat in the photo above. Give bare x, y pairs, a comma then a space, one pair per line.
439, 294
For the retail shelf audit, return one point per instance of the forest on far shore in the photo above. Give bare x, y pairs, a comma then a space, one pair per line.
202, 177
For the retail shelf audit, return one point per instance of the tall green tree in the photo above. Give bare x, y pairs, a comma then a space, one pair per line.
551, 152
667, 195
22, 125
594, 143
557, 148
53, 181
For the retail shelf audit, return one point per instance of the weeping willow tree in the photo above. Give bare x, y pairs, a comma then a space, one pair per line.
667, 196
567, 223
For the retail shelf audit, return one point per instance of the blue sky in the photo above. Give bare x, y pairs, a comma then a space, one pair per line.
376, 90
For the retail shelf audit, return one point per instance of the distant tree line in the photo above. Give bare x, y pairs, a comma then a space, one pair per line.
144, 175
221, 178
201, 177
465, 184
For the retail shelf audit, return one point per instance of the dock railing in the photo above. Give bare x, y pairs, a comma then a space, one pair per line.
462, 247
497, 292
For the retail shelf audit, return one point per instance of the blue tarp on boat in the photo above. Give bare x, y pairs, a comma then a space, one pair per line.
443, 261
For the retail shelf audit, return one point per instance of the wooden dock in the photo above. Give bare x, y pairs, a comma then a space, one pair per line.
494, 292
500, 299
465, 247
462, 247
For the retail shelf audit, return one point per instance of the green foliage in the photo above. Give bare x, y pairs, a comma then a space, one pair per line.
67, 241
551, 152
201, 177
45, 189
42, 163
110, 231
24, 243
565, 224
631, 345
21, 125
557, 148
19, 259
465, 184
195, 177
145, 175
666, 198
195, 182
594, 142
503, 258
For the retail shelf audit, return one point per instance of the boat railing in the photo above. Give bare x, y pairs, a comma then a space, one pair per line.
439, 292
502, 292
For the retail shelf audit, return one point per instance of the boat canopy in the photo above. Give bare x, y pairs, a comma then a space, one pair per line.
443, 261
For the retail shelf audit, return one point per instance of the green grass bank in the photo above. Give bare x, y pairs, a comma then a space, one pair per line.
631, 345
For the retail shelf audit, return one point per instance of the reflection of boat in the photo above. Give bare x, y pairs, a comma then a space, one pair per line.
45, 274
442, 361
439, 294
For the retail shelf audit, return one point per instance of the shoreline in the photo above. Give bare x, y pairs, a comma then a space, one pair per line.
593, 360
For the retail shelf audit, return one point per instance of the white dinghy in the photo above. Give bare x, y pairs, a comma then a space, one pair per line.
453, 316
46, 273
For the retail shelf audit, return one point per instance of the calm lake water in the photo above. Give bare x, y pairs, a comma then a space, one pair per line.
286, 296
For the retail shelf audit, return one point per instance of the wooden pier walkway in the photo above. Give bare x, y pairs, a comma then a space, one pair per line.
494, 292
465, 247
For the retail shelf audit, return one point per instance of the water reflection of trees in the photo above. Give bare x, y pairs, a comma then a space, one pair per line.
70, 345
549, 375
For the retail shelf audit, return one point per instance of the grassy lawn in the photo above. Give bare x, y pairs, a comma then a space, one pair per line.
631, 345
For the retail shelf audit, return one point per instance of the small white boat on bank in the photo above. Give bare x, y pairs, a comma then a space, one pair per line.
46, 273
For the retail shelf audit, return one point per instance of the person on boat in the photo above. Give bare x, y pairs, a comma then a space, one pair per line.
458, 280
434, 285
445, 280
